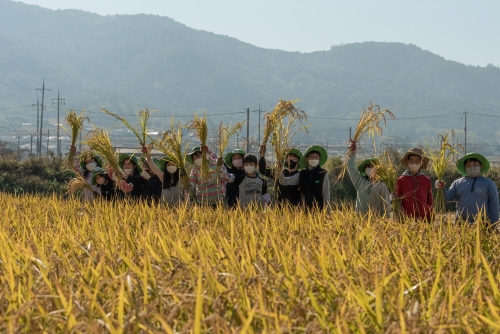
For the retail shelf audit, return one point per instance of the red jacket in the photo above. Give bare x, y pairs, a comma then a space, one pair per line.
415, 193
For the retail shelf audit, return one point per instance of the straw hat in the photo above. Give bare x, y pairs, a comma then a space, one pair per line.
418, 152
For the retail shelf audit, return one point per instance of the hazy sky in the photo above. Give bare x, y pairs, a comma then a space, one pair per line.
462, 30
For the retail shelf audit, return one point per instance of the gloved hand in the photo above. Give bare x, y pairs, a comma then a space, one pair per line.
393, 197
439, 184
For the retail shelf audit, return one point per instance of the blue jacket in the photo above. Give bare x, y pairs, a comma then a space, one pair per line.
473, 195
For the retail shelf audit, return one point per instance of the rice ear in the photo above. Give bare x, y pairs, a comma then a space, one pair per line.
75, 123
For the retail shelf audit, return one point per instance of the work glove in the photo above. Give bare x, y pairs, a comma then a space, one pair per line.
393, 197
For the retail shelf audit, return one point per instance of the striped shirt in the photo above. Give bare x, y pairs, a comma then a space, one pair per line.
212, 190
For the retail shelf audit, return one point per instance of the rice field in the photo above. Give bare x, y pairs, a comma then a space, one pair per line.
66, 266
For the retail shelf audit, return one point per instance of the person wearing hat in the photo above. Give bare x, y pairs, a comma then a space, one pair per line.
105, 184
153, 184
474, 193
234, 165
313, 181
132, 174
212, 190
169, 174
286, 194
414, 188
371, 196
88, 163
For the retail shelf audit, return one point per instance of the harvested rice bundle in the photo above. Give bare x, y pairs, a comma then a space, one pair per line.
280, 111
440, 158
386, 171
75, 123
78, 183
98, 140
143, 118
170, 144
369, 124
199, 125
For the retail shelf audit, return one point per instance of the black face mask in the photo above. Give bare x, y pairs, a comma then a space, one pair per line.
292, 164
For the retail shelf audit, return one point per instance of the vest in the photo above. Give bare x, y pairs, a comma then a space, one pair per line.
311, 187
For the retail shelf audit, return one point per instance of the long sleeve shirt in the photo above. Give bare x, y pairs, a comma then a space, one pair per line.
307, 190
472, 196
370, 195
415, 193
286, 194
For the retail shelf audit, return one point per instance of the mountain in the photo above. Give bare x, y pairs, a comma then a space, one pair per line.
122, 62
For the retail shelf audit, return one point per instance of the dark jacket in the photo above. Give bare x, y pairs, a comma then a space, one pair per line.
152, 189
286, 194
109, 191
138, 183
232, 188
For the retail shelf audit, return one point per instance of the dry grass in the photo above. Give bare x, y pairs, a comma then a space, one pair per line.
199, 125
75, 123
125, 267
282, 110
143, 118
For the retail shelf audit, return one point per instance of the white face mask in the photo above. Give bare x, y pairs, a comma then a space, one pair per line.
313, 163
368, 171
249, 169
171, 169
414, 167
197, 162
237, 163
128, 171
473, 171
91, 166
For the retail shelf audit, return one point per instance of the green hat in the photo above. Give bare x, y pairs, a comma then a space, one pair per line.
229, 157
162, 163
485, 165
95, 157
97, 171
323, 156
155, 160
122, 157
189, 156
371, 161
291, 151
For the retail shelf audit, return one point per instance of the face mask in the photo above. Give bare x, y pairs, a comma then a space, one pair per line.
237, 163
100, 180
91, 166
171, 169
146, 175
249, 169
128, 171
414, 168
197, 162
368, 171
473, 171
292, 164
313, 163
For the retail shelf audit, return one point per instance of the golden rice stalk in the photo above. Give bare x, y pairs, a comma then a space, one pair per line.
78, 183
143, 118
199, 125
280, 111
75, 123
386, 172
282, 137
170, 144
370, 123
224, 133
440, 158
98, 140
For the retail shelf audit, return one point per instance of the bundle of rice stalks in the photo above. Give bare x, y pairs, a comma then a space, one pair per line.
78, 183
224, 133
440, 159
386, 172
75, 123
199, 125
282, 137
370, 123
280, 111
143, 118
98, 140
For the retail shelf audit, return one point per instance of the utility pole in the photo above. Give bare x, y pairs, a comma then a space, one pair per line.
350, 129
37, 122
59, 103
465, 131
248, 131
237, 140
31, 145
48, 135
259, 124
18, 146
43, 89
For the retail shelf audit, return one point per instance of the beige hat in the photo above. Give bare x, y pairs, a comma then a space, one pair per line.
415, 151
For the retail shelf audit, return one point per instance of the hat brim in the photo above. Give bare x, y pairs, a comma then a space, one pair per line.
162, 163
228, 159
485, 164
371, 161
425, 160
323, 156
96, 158
122, 157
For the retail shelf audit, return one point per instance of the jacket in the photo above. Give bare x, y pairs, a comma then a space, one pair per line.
286, 194
415, 193
314, 186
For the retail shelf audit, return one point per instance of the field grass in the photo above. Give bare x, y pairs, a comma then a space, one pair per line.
69, 267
